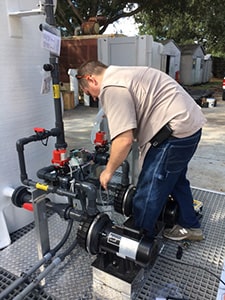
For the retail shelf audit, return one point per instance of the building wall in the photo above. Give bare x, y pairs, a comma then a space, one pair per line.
22, 105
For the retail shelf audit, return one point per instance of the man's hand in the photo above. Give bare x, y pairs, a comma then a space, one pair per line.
119, 150
105, 177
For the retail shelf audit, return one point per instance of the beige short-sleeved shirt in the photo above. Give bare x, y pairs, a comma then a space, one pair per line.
145, 99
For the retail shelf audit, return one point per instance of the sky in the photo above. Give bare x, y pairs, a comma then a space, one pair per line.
124, 26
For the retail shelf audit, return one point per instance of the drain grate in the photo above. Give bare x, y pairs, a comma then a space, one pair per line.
7, 278
21, 232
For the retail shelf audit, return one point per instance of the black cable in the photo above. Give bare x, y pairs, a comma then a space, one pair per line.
193, 266
63, 255
44, 273
25, 275
64, 239
73, 245
45, 143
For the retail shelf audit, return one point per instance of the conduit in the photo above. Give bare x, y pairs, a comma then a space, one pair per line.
43, 274
46, 258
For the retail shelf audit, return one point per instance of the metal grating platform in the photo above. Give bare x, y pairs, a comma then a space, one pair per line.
6, 278
168, 277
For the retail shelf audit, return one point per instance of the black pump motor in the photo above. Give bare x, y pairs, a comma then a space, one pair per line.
99, 235
124, 200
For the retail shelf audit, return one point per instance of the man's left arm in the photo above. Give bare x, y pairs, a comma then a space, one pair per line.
120, 149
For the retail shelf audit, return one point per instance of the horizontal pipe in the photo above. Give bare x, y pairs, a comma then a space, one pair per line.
65, 211
89, 189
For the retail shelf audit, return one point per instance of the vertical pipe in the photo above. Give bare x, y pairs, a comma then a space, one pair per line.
60, 139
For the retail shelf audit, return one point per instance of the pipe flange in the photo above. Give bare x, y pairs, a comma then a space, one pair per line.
20, 196
89, 231
83, 231
123, 200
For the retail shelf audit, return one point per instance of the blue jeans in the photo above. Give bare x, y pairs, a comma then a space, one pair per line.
163, 174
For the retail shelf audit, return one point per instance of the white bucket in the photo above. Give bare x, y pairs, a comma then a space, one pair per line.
211, 102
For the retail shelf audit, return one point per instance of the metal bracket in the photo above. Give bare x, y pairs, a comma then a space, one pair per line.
41, 222
41, 225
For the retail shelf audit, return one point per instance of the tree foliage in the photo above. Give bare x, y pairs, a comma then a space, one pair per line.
70, 13
186, 21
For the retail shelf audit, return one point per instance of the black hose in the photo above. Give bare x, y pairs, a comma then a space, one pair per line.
45, 259
43, 274
64, 239
34, 283
24, 276
63, 255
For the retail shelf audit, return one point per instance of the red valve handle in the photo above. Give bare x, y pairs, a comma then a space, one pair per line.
28, 206
39, 130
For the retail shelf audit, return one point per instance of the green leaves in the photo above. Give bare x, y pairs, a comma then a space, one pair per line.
71, 14
186, 21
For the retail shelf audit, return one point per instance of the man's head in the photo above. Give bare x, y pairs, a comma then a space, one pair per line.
89, 76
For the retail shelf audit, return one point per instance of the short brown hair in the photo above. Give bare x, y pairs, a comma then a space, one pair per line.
88, 68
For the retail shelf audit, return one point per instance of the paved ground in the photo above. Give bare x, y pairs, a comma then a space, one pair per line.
207, 168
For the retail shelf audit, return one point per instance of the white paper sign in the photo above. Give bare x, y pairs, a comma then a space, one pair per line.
51, 42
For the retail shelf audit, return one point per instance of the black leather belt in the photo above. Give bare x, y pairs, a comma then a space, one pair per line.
163, 134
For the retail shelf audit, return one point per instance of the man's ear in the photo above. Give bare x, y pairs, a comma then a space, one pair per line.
93, 80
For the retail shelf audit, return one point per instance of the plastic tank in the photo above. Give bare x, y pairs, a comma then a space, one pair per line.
23, 107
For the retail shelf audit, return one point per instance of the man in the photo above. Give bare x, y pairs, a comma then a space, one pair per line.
146, 104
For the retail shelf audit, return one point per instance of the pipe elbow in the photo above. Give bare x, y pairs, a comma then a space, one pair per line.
91, 193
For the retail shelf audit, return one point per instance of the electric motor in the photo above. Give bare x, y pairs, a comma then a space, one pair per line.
99, 235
